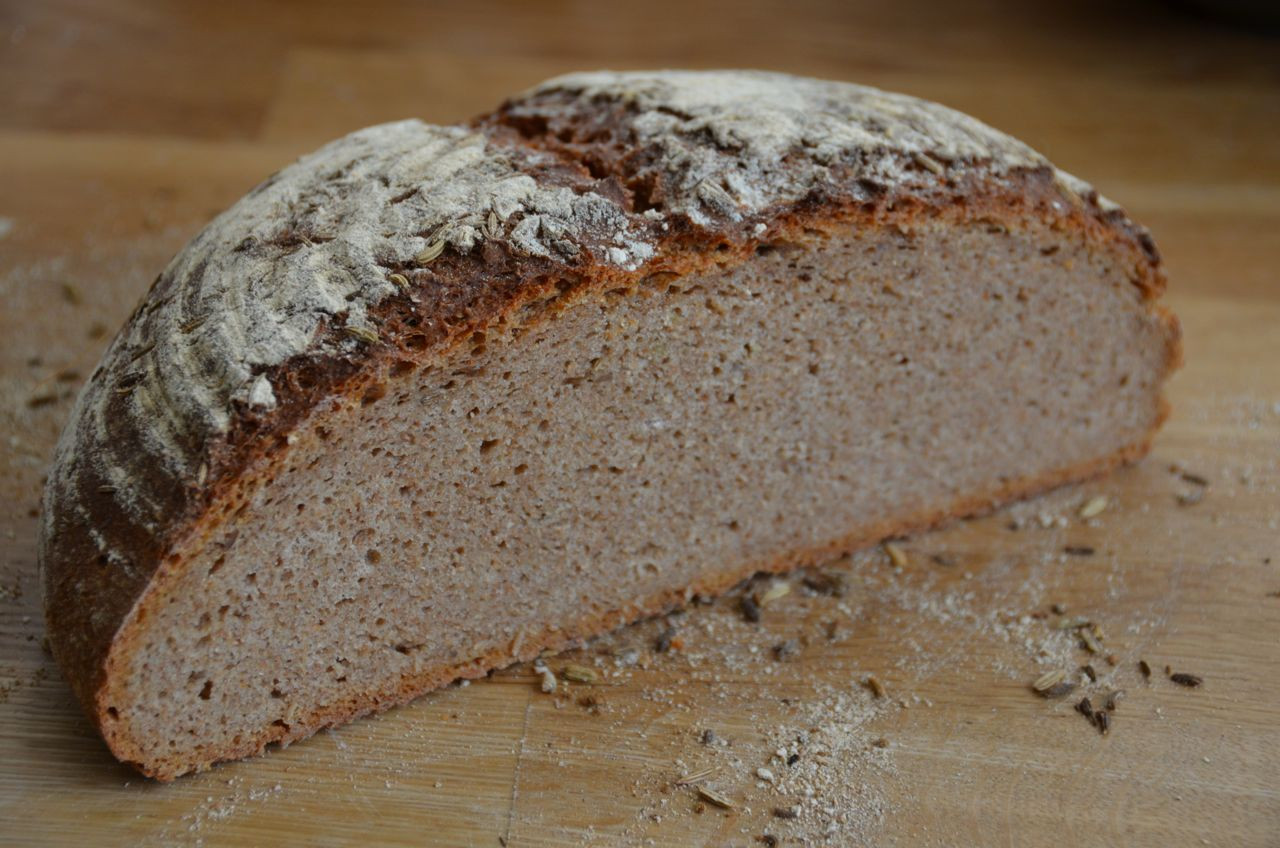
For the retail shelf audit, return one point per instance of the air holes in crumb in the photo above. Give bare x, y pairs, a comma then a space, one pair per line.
521, 468
251, 578
207, 690
374, 393
402, 368
488, 445
112, 712
217, 564
373, 556
416, 342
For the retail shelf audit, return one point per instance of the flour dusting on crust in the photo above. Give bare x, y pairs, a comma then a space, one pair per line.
314, 245
734, 143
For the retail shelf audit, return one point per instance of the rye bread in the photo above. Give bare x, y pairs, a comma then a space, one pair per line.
434, 399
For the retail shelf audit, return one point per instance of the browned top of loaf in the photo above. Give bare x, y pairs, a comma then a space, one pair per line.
398, 241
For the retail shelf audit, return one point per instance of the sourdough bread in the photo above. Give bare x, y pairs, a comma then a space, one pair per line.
434, 399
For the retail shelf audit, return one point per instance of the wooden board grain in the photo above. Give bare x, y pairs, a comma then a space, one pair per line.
123, 128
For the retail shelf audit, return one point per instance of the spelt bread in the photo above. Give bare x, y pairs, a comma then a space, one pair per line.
435, 399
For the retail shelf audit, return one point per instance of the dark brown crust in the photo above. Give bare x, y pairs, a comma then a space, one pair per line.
477, 292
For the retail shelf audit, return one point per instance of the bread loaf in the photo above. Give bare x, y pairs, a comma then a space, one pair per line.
435, 399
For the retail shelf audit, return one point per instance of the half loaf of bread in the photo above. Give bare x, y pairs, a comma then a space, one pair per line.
435, 399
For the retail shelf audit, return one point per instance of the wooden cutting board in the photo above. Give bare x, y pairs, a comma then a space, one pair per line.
97, 192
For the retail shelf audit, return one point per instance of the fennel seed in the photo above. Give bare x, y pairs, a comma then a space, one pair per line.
714, 798
364, 334
430, 252
1048, 680
777, 589
896, 555
1093, 506
579, 673
927, 162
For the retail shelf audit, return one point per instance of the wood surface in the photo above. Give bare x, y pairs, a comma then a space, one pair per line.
124, 126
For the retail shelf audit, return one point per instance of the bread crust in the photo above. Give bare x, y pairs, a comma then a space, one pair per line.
103, 557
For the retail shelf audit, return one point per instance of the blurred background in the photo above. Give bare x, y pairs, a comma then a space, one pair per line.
1172, 109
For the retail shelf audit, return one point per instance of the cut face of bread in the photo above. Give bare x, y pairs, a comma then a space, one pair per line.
633, 448
602, 449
